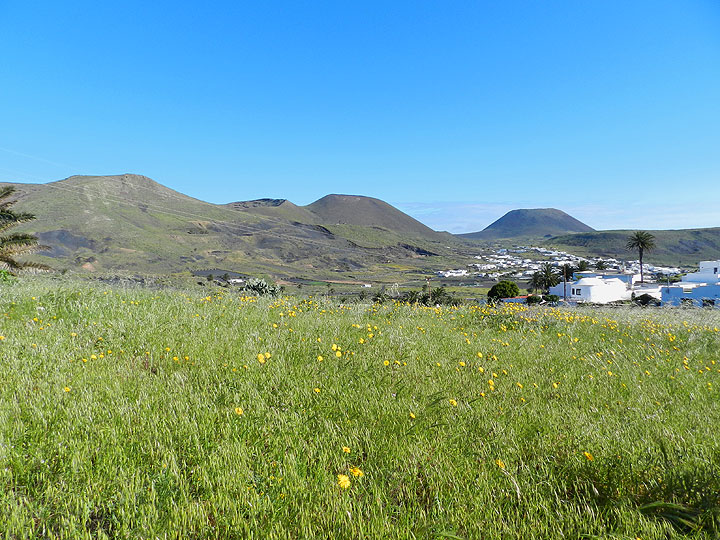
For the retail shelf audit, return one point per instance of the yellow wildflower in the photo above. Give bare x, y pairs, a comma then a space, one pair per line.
589, 456
239, 411
343, 481
355, 471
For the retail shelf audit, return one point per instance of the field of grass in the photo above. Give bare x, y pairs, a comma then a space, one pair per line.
137, 413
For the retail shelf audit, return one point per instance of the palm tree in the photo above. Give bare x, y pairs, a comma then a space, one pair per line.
536, 282
567, 271
642, 241
548, 276
12, 245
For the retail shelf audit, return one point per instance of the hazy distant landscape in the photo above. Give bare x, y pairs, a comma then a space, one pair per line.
129, 224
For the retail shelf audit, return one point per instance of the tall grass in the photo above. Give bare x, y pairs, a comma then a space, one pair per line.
133, 413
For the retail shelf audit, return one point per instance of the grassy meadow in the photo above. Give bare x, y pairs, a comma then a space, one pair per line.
138, 413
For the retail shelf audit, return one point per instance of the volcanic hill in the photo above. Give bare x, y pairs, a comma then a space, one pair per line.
530, 223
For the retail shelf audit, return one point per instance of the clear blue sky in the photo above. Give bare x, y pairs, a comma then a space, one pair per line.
452, 111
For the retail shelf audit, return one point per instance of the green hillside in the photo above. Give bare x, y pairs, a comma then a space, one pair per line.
530, 223
276, 208
674, 247
129, 223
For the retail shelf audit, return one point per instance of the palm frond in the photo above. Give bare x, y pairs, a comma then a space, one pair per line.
17, 240
15, 217
5, 192
16, 244
37, 267
8, 263
640, 240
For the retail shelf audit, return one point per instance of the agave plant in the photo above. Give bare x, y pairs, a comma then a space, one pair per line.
15, 244
261, 287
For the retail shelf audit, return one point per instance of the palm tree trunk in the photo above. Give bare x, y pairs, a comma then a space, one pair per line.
642, 277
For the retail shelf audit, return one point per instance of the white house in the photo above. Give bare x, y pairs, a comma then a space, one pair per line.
628, 278
452, 273
701, 288
595, 289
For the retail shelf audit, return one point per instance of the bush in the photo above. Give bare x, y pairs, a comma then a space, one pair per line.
436, 297
646, 300
6, 277
503, 289
534, 299
260, 287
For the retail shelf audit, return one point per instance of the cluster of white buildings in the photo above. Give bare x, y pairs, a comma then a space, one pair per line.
619, 281
516, 263
701, 288
452, 273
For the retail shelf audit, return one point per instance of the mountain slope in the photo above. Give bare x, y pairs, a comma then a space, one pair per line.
131, 223
530, 223
366, 212
275, 208
673, 247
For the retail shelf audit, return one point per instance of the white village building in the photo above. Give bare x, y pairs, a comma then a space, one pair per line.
597, 290
701, 288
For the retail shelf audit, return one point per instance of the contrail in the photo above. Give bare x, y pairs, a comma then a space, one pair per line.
62, 165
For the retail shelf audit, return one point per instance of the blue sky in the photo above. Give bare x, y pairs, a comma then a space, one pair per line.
452, 111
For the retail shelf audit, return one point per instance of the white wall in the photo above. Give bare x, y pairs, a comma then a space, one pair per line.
673, 295
594, 290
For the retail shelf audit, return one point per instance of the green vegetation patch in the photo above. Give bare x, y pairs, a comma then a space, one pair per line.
129, 413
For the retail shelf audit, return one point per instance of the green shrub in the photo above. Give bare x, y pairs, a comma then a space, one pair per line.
6, 277
260, 287
646, 300
503, 289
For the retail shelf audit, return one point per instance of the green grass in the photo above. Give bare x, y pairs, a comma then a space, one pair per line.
143, 439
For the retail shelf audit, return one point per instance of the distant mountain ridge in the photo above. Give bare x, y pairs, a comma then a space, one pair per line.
131, 223
337, 209
530, 223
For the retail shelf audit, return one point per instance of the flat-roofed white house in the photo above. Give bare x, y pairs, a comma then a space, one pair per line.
596, 289
629, 279
701, 288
